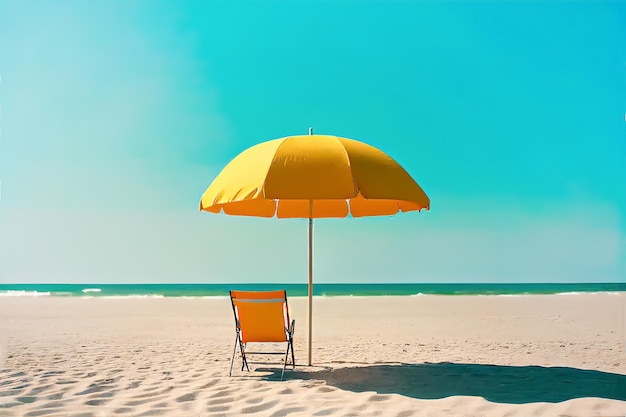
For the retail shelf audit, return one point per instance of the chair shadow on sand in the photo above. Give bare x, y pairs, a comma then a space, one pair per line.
496, 383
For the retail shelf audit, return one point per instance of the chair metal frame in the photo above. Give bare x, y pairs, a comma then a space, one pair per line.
279, 296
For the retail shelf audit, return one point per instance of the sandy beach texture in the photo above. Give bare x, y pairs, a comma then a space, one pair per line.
553, 355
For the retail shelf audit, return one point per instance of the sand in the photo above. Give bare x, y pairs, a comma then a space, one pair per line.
552, 355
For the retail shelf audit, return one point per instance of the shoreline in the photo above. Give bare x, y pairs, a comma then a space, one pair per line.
301, 290
21, 295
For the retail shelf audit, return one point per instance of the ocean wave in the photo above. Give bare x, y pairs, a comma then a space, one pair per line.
591, 293
22, 293
91, 290
203, 297
135, 296
130, 296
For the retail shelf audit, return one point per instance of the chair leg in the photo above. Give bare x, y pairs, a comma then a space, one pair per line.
292, 329
244, 360
232, 361
285, 363
293, 358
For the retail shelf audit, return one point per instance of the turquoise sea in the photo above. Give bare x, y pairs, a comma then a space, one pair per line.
298, 290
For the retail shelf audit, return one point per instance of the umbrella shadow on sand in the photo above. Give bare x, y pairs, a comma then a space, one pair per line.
496, 383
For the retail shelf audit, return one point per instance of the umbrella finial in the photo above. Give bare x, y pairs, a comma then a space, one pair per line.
310, 130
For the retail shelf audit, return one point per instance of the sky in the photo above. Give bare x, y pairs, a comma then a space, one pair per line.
116, 116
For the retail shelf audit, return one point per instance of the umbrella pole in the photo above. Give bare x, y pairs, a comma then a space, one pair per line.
310, 275
310, 280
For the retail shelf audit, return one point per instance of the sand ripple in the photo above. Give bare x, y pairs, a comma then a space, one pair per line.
179, 383
104, 362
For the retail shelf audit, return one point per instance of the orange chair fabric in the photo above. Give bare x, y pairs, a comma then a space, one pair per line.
262, 316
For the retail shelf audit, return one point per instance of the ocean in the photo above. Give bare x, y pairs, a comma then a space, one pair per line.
299, 290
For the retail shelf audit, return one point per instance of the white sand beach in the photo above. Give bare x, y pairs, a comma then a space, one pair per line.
552, 355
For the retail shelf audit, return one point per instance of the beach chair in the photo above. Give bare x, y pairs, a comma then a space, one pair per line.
261, 316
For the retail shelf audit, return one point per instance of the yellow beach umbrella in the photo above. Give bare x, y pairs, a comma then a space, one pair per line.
313, 176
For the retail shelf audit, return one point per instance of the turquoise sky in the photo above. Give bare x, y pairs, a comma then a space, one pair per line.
116, 116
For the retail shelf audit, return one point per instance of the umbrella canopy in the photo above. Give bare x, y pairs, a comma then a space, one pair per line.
313, 176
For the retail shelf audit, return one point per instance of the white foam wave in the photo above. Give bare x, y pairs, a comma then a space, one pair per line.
23, 293
135, 296
204, 297
591, 293
92, 290
132, 296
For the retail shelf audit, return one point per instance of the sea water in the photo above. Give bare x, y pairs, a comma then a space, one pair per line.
300, 290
